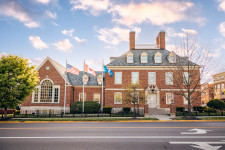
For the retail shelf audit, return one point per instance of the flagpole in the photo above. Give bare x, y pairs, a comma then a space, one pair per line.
83, 88
102, 84
65, 92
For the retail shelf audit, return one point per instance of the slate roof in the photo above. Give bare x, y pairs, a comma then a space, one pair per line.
122, 60
77, 79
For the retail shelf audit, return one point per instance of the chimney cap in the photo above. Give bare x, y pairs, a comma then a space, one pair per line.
132, 31
162, 31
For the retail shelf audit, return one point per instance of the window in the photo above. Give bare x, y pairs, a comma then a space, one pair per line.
158, 57
185, 99
169, 98
135, 77
151, 78
218, 87
97, 97
185, 78
144, 57
135, 98
118, 98
81, 97
130, 58
172, 57
118, 78
46, 92
169, 78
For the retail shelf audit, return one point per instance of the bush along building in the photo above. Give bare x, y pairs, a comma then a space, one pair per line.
150, 66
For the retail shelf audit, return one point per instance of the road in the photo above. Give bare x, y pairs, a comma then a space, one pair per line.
113, 135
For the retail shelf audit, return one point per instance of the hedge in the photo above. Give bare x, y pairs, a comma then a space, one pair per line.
198, 108
126, 109
180, 109
216, 104
107, 109
89, 107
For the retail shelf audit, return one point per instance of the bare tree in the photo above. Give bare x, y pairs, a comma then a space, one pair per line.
191, 67
133, 94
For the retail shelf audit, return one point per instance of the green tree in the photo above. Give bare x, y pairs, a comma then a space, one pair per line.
17, 80
133, 94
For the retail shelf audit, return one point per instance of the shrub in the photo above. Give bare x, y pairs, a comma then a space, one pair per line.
89, 107
126, 109
216, 104
198, 108
208, 109
107, 109
180, 109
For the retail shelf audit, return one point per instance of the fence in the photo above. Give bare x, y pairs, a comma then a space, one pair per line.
197, 113
60, 114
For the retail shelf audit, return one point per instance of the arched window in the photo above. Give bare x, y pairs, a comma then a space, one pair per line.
46, 92
130, 58
144, 57
158, 57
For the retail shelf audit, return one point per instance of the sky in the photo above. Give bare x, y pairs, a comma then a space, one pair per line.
95, 30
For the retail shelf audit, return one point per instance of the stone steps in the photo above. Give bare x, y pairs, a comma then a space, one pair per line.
154, 111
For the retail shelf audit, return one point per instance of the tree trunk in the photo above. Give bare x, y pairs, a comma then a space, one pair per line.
134, 111
189, 108
5, 113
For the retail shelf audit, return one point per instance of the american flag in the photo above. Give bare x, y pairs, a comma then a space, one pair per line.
72, 69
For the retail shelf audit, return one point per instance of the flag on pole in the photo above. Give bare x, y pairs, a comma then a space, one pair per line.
106, 70
72, 69
89, 70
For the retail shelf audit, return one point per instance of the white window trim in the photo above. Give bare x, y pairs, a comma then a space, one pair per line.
99, 97
185, 99
185, 79
115, 98
172, 98
53, 94
158, 54
171, 82
132, 77
144, 54
82, 96
172, 54
121, 78
149, 78
130, 54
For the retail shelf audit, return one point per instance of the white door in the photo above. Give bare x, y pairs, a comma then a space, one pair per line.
151, 101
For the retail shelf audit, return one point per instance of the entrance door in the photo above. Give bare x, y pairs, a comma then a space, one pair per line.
151, 99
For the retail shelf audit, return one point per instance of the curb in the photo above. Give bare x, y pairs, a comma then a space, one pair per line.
112, 121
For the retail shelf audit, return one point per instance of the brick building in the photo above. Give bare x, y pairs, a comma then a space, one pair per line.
207, 93
150, 65
219, 82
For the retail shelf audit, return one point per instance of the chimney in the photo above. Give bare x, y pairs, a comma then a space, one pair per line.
132, 40
160, 40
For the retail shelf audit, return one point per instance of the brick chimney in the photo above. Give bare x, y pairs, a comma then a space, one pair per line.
132, 40
160, 40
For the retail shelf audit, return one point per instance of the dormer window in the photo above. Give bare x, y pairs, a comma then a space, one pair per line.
158, 57
144, 57
85, 78
130, 57
172, 57
99, 79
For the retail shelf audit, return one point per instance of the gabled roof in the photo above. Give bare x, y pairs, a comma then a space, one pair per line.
122, 60
61, 70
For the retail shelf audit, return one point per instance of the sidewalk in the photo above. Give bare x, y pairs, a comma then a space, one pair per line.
161, 117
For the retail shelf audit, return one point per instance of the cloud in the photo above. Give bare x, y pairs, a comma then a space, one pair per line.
116, 35
37, 42
221, 5
68, 32
55, 24
156, 12
14, 9
189, 31
80, 40
95, 64
94, 6
64, 45
3, 54
43, 1
35, 61
51, 15
221, 28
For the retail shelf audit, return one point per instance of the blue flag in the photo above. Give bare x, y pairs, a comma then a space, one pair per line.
106, 70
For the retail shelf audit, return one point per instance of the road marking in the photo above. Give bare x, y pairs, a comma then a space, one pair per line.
196, 131
118, 137
104, 128
202, 145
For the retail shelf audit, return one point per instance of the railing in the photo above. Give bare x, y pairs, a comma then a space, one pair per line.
197, 113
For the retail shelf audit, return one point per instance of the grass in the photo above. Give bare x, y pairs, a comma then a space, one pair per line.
79, 119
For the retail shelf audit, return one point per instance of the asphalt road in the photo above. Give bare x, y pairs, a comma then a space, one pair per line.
111, 136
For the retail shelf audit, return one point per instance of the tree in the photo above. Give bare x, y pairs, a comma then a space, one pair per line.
133, 94
17, 80
191, 67
216, 104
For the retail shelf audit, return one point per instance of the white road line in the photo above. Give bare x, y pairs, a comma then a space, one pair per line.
118, 137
